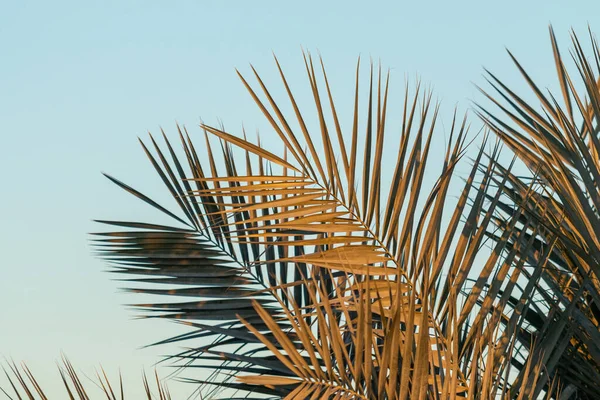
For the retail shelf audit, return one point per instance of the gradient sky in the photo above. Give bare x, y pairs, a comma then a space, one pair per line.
80, 80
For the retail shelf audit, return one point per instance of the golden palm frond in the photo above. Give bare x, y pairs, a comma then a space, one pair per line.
313, 279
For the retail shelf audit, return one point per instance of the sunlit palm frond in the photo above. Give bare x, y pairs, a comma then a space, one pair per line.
311, 278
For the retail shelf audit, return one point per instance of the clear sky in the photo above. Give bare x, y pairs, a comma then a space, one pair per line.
80, 80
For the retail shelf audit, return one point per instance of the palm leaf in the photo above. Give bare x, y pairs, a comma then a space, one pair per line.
558, 142
317, 280
23, 384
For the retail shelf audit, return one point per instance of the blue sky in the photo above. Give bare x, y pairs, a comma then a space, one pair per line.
80, 81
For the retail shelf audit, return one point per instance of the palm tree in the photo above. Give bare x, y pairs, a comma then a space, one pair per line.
310, 278
558, 141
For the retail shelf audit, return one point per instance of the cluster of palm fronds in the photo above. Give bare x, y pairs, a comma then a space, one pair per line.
560, 145
337, 268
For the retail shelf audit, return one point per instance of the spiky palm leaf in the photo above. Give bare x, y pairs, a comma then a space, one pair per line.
23, 384
559, 143
311, 279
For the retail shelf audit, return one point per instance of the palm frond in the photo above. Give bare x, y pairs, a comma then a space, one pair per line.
558, 141
309, 277
23, 384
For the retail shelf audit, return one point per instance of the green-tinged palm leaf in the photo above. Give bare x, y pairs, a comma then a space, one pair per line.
558, 141
311, 279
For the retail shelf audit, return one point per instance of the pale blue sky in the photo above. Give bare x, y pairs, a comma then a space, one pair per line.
80, 80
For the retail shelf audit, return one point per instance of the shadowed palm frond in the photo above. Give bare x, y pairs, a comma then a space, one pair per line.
558, 141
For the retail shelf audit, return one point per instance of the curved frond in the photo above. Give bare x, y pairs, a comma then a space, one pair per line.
556, 137
311, 277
